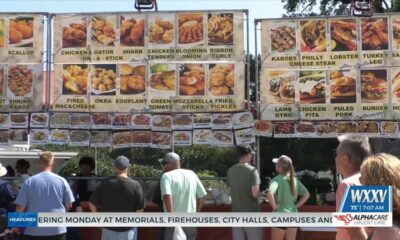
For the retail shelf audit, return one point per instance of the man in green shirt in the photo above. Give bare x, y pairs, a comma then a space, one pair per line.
244, 182
181, 191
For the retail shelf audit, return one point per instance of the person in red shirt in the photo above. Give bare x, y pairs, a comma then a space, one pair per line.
350, 154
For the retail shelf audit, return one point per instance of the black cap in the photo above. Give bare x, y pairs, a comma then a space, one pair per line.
244, 150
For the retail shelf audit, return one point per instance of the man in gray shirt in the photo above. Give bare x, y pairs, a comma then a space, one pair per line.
244, 182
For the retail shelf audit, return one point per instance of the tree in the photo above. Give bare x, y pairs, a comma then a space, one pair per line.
333, 7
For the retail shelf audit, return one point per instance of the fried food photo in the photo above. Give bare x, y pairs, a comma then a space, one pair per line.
344, 35
396, 32
182, 120
18, 135
74, 35
220, 29
389, 127
221, 79
190, 28
103, 30
141, 119
284, 128
141, 137
40, 118
396, 87
2, 33
20, 80
191, 79
161, 138
101, 137
104, 79
222, 119
374, 86
283, 38
347, 127
59, 135
4, 136
326, 127
3, 118
79, 136
368, 127
223, 136
80, 119
122, 138
133, 79
181, 136
263, 126
162, 77
306, 127
374, 33
39, 135
202, 134
60, 119
101, 119
20, 31
313, 36
75, 79
122, 120
132, 32
161, 31
343, 87
312, 87
18, 118
162, 121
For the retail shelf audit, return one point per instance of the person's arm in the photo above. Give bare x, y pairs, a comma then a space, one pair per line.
168, 203
68, 196
92, 207
303, 200
271, 200
200, 204
255, 191
200, 194
20, 208
357, 233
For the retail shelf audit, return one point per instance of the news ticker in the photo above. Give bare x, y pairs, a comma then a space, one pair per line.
252, 219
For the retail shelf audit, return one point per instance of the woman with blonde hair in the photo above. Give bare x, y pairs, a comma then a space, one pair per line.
384, 170
283, 194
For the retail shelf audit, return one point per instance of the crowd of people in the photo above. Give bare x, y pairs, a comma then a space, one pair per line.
180, 190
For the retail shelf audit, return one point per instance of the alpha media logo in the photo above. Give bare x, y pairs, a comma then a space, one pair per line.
367, 199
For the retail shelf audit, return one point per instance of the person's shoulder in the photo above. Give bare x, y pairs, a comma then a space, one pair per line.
352, 180
278, 178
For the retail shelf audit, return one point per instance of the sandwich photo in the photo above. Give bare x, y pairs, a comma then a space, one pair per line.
343, 87
281, 87
396, 86
374, 86
312, 87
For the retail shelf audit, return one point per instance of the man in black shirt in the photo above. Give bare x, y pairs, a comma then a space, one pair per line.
118, 194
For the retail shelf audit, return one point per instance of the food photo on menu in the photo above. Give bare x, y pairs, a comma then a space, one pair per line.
59, 136
39, 136
163, 78
396, 33
161, 122
375, 33
243, 119
131, 31
343, 87
191, 29
2, 79
18, 120
182, 121
75, 79
222, 121
39, 120
122, 120
202, 120
161, 30
347, 127
306, 128
60, 120
103, 79
80, 120
103, 30
18, 136
389, 128
221, 79
327, 128
74, 32
263, 128
343, 35
132, 79
161, 139
282, 87
141, 138
141, 121
101, 120
313, 36
202, 136
2, 32
122, 139
21, 31
368, 127
4, 121
101, 139
220, 29
182, 138
192, 79
245, 136
374, 86
396, 85
20, 80
79, 137
311, 86
223, 138
284, 128
283, 37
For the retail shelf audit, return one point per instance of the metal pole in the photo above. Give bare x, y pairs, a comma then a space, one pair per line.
48, 62
258, 161
248, 61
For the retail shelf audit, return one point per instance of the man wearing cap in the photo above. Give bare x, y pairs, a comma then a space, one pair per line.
45, 192
7, 197
118, 194
244, 182
181, 190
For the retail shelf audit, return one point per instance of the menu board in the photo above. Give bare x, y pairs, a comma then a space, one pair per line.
330, 68
21, 38
161, 36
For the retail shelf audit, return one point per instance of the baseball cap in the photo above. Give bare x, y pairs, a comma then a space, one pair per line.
244, 150
283, 160
121, 162
3, 170
169, 158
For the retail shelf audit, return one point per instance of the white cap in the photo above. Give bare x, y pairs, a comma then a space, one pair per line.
3, 170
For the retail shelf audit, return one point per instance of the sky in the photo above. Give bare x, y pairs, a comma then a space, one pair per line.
257, 8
